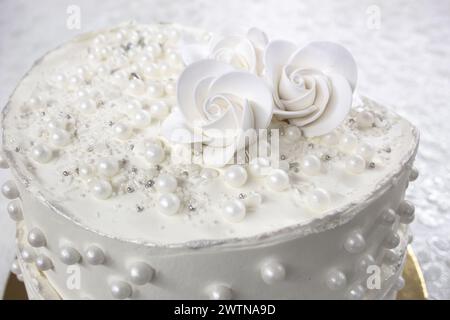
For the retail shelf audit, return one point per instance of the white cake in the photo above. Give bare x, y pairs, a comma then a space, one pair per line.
119, 194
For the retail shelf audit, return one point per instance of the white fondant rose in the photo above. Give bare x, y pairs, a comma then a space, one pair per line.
242, 52
312, 86
217, 105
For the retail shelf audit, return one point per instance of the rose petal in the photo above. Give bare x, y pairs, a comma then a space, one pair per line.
218, 157
188, 81
337, 108
201, 95
175, 129
250, 87
257, 37
327, 57
239, 46
275, 57
283, 114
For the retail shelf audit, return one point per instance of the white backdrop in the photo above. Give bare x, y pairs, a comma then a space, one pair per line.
402, 49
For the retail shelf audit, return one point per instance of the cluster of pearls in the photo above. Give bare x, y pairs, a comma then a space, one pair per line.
272, 271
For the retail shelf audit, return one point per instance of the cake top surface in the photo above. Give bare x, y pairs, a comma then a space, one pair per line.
93, 130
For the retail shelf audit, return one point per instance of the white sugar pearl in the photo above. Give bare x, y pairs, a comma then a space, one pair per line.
391, 257
41, 153
36, 238
365, 119
220, 292
132, 106
336, 280
355, 242
60, 138
159, 109
69, 255
3, 163
155, 90
141, 119
253, 199
85, 171
27, 255
166, 183
15, 268
355, 164
366, 151
14, 209
365, 262
122, 131
234, 211
43, 263
278, 180
414, 174
292, 133
330, 139
209, 173
348, 142
150, 70
392, 241
172, 35
101, 189
236, 176
146, 59
94, 255
34, 102
58, 80
260, 167
170, 88
169, 204
356, 292
140, 273
164, 69
154, 154
54, 124
87, 105
154, 49
120, 78
107, 167
406, 211
272, 272
311, 165
9, 190
319, 199
121, 290
137, 87
388, 217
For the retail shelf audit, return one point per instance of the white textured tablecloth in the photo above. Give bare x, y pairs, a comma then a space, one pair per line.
402, 49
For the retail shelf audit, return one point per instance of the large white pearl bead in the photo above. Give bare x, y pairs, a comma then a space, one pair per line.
336, 280
27, 255
94, 255
311, 165
121, 290
140, 273
392, 241
9, 190
388, 217
406, 211
260, 167
101, 189
292, 133
236, 176
132, 106
166, 183
87, 105
15, 268
85, 171
154, 49
318, 199
365, 262
365, 150
107, 167
3, 163
154, 153
169, 204
14, 209
234, 211
159, 109
272, 271
391, 257
155, 90
150, 70
278, 180
36, 238
137, 87
355, 164
365, 119
69, 255
41, 153
356, 292
414, 174
59, 137
355, 242
220, 292
330, 139
348, 142
43, 263
141, 119
122, 131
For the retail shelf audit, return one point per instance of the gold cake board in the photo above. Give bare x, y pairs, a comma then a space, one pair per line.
414, 289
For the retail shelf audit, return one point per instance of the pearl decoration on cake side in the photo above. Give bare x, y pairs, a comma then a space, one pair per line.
278, 180
3, 163
355, 164
348, 142
364, 262
15, 268
166, 183
399, 284
414, 174
388, 217
159, 110
141, 119
41, 153
101, 189
406, 212
336, 280
311, 165
392, 241
236, 176
94, 255
140, 273
356, 292
122, 131
36, 238
259, 167
60, 138
234, 211
154, 154
292, 133
69, 255
169, 204
9, 190
318, 199
355, 242
27, 255
14, 209
155, 90
107, 167
121, 290
87, 106
220, 292
391, 256
330, 139
365, 119
43, 263
272, 272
